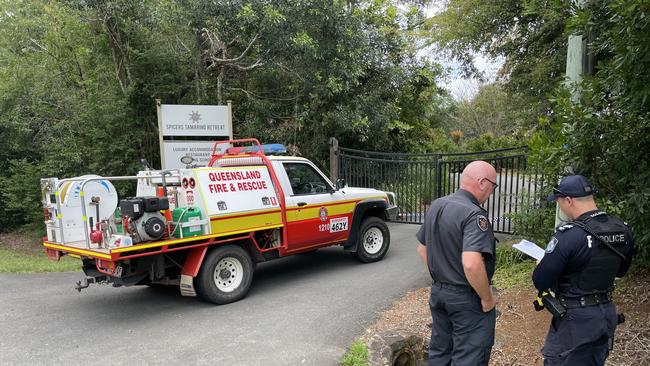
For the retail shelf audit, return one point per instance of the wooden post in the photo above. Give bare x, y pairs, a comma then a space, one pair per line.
334, 159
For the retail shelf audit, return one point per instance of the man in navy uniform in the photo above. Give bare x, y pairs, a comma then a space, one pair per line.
457, 246
579, 266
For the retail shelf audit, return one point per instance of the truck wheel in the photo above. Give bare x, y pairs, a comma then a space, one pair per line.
225, 276
373, 240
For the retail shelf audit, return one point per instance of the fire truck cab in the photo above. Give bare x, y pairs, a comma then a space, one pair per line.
204, 229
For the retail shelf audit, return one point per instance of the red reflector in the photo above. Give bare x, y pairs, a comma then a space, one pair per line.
105, 264
52, 254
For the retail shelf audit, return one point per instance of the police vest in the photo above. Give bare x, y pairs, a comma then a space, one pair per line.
599, 273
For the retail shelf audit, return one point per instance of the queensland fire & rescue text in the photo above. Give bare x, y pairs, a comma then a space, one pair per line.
236, 186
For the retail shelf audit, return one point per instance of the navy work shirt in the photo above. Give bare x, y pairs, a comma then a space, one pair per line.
455, 224
569, 252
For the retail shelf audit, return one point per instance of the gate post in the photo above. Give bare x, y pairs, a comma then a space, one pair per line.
438, 177
334, 159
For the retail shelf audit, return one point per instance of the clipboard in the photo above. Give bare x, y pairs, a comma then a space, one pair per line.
529, 248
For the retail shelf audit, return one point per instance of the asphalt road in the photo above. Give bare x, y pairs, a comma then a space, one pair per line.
301, 310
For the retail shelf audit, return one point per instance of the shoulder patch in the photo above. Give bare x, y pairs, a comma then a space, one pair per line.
482, 223
551, 245
564, 227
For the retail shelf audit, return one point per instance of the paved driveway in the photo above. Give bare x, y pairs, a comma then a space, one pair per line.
301, 310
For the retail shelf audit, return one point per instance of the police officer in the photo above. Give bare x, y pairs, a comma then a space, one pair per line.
579, 266
457, 246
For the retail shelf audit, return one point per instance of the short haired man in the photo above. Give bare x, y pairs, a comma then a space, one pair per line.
579, 266
457, 246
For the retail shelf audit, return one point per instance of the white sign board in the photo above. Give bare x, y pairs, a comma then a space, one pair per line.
194, 120
228, 190
201, 151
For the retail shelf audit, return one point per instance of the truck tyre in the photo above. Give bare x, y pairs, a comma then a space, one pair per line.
373, 240
225, 276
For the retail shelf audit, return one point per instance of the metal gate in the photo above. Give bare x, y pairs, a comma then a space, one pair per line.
417, 179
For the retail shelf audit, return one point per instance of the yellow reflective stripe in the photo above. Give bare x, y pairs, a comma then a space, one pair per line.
245, 223
59, 216
81, 193
332, 203
88, 253
185, 240
251, 229
56, 193
314, 212
84, 218
268, 210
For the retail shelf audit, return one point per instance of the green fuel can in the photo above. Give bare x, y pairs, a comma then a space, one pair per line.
117, 217
183, 215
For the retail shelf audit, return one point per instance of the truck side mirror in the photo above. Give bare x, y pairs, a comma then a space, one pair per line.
340, 183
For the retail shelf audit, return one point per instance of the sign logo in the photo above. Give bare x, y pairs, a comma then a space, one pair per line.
195, 117
323, 214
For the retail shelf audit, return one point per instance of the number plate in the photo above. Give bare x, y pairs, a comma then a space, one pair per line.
338, 224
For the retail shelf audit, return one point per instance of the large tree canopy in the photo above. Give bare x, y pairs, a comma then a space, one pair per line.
79, 79
605, 133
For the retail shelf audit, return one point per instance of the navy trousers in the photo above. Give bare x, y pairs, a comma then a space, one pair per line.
581, 337
461, 333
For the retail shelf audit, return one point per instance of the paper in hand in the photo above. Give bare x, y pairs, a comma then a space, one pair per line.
529, 248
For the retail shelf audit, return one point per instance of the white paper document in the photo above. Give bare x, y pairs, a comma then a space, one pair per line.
529, 248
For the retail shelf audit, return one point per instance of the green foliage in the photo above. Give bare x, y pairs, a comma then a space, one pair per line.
534, 222
605, 136
513, 268
488, 141
12, 261
493, 110
357, 355
530, 35
79, 79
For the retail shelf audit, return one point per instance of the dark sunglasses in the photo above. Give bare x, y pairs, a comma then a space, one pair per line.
493, 183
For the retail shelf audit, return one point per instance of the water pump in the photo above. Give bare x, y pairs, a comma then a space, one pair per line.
142, 217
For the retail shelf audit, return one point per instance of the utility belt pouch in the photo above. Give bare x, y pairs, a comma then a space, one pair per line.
554, 306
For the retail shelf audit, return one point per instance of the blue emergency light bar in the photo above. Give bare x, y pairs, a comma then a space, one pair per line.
268, 149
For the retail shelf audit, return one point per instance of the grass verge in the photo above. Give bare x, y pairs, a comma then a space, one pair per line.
513, 269
357, 355
12, 261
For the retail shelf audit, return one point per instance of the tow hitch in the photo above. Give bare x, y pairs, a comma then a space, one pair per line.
87, 281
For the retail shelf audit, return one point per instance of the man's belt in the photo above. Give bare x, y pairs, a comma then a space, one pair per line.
586, 300
449, 286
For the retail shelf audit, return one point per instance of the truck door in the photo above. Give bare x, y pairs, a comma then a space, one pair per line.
316, 214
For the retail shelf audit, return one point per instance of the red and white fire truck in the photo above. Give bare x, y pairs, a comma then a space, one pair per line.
204, 229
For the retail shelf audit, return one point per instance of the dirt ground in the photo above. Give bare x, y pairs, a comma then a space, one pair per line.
21, 242
520, 330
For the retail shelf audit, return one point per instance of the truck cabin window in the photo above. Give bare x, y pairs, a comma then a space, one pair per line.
304, 179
